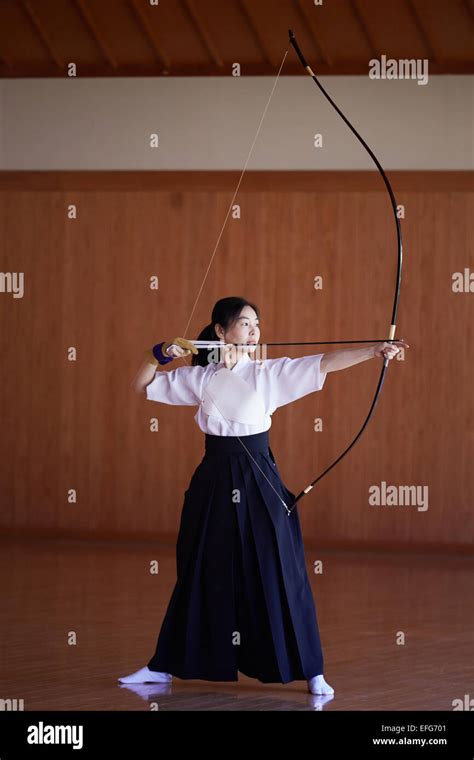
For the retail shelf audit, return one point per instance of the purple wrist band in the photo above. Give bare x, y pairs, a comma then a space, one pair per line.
160, 357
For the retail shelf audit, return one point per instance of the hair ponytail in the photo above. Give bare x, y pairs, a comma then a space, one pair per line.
202, 356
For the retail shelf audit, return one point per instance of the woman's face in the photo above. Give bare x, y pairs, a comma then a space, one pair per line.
244, 330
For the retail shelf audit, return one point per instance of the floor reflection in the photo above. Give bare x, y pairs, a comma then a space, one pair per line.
173, 698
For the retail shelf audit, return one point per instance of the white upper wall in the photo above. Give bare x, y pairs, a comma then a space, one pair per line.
210, 123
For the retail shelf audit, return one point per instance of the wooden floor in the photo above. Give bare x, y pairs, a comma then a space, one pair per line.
105, 595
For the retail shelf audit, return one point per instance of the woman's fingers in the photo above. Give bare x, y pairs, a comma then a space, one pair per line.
187, 345
181, 347
390, 350
177, 352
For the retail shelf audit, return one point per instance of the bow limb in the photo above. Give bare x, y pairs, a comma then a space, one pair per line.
396, 296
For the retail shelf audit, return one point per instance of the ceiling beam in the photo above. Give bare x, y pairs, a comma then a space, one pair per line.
433, 54
89, 22
360, 21
308, 20
202, 32
41, 32
255, 33
149, 33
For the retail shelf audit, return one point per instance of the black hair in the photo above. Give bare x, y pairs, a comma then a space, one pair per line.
225, 313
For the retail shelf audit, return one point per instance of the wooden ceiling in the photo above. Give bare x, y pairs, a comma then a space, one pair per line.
107, 38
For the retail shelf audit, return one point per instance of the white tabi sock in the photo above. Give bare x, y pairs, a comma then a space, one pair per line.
145, 675
318, 685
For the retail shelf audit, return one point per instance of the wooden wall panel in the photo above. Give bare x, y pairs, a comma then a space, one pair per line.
79, 425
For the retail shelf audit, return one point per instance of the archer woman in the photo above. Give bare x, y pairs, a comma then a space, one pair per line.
242, 601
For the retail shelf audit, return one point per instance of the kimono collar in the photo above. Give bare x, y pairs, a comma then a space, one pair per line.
244, 359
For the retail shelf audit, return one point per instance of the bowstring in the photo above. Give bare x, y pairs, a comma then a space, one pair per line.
214, 253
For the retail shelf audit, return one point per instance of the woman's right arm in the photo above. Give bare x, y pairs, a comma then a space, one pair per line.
164, 352
144, 376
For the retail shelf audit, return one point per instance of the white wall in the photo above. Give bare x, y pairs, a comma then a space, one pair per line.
210, 122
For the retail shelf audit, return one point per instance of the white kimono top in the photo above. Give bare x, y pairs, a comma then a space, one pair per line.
239, 401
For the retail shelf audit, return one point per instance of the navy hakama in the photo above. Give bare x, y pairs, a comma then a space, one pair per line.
242, 600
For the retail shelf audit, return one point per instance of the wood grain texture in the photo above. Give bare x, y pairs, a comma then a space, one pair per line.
79, 425
106, 596
206, 38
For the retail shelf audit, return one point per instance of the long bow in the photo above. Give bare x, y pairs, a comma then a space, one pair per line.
391, 337
398, 279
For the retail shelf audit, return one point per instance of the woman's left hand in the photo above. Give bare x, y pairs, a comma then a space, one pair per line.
389, 350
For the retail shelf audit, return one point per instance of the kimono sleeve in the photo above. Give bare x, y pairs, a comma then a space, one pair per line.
291, 379
180, 386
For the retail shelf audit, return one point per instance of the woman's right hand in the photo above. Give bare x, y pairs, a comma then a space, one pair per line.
178, 348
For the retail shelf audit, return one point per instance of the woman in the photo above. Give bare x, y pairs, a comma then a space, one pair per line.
242, 600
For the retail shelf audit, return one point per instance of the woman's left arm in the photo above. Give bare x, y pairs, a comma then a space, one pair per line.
348, 356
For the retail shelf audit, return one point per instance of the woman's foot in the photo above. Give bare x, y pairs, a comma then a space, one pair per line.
145, 675
318, 685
